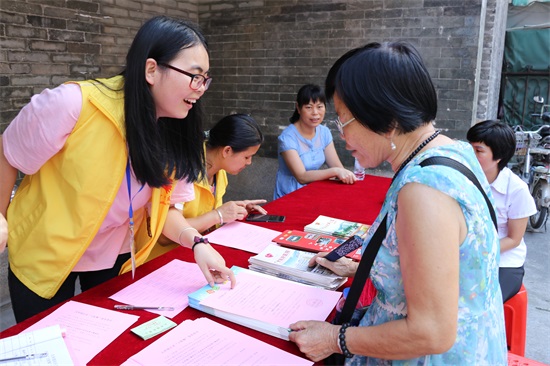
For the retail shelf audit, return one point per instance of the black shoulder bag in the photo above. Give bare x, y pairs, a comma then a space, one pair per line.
367, 260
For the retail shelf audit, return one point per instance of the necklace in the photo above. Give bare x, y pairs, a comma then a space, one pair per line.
416, 151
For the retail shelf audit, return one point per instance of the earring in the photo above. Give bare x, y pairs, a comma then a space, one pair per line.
393, 147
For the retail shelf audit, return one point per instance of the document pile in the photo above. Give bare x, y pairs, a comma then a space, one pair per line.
292, 264
264, 303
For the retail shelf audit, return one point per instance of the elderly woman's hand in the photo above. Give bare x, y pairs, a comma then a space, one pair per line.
342, 267
317, 340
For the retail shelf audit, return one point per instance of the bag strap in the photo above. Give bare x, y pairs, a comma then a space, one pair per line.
362, 273
367, 259
442, 160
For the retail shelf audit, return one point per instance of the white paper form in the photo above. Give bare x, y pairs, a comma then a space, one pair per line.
203, 341
47, 340
273, 300
240, 235
167, 286
89, 329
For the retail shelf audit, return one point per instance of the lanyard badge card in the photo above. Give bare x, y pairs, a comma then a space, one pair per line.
131, 217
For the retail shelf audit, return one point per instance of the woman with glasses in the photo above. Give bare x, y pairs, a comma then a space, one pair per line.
306, 145
230, 145
438, 299
105, 162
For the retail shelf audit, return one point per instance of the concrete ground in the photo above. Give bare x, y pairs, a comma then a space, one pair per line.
537, 283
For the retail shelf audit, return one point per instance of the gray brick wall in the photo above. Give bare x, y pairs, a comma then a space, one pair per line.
43, 44
263, 51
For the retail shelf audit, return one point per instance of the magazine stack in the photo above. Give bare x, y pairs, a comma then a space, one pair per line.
293, 264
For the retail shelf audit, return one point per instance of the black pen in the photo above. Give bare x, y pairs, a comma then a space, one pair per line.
25, 357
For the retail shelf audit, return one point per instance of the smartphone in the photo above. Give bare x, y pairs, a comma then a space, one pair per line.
265, 218
353, 243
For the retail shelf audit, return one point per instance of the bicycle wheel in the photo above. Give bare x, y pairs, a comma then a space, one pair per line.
538, 219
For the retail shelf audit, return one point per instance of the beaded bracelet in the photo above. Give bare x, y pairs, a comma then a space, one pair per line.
199, 240
342, 339
220, 215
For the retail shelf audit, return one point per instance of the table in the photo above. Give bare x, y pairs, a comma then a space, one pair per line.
359, 202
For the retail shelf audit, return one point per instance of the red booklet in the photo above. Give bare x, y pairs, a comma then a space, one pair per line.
312, 242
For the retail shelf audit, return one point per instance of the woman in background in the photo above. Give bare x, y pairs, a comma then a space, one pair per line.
305, 145
494, 143
229, 145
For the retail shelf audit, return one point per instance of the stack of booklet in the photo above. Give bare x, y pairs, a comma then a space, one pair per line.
293, 264
336, 227
311, 242
264, 303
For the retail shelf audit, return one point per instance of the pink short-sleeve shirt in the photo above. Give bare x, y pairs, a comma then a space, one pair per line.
39, 132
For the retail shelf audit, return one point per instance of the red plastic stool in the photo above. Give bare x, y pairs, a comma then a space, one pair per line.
515, 318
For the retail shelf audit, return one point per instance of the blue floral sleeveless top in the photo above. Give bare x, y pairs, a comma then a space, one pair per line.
480, 338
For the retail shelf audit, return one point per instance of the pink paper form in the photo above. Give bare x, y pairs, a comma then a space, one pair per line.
272, 300
247, 237
205, 342
168, 286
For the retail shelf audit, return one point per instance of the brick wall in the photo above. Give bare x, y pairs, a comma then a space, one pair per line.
263, 51
44, 43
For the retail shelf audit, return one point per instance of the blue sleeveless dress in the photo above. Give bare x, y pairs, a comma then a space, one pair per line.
480, 338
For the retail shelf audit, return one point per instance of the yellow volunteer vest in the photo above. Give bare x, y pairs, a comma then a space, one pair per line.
204, 202
57, 211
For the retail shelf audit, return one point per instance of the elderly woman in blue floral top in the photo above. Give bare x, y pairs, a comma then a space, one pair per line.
436, 273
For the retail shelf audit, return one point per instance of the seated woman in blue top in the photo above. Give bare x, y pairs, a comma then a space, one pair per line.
305, 145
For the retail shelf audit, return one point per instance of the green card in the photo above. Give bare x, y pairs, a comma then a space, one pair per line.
153, 327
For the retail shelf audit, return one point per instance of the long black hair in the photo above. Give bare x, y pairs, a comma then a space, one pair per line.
385, 86
306, 94
240, 131
160, 148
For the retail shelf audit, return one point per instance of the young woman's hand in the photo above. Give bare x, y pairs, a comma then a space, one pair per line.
212, 265
3, 232
345, 176
238, 210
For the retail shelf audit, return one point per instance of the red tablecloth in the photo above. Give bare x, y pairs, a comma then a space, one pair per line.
359, 202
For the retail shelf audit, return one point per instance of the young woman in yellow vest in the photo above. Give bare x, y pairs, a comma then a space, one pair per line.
229, 145
104, 159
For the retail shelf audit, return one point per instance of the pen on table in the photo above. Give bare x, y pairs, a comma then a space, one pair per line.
25, 357
133, 307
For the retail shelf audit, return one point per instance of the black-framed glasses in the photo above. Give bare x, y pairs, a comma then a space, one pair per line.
341, 125
197, 80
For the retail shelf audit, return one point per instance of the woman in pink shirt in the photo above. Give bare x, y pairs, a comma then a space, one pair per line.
101, 157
